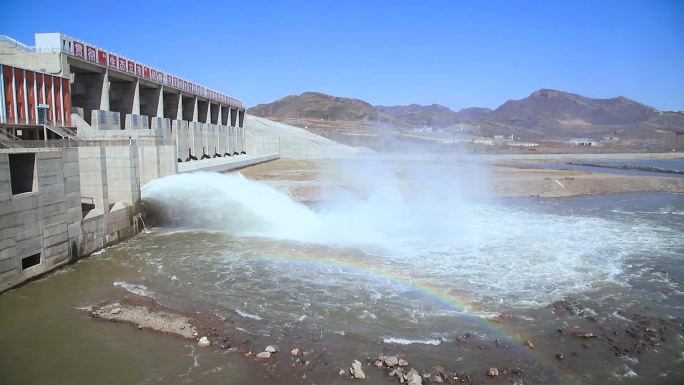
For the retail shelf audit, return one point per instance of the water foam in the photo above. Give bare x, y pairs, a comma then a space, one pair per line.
493, 253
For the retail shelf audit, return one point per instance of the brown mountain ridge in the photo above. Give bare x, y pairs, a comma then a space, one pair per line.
544, 113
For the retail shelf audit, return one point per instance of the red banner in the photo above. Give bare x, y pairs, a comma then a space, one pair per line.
113, 61
131, 67
79, 50
102, 57
91, 54
122, 64
146, 72
153, 74
138, 69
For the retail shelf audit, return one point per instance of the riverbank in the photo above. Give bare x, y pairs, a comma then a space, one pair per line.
309, 180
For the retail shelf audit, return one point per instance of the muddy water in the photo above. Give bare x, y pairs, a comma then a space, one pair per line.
394, 289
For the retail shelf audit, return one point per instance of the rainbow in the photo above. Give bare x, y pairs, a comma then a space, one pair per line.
428, 290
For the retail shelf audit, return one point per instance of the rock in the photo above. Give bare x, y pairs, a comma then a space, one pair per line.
567, 306
271, 348
356, 371
438, 374
493, 372
264, 355
378, 363
116, 310
559, 356
577, 331
203, 342
395, 373
391, 361
414, 378
341, 373
295, 351
529, 344
402, 362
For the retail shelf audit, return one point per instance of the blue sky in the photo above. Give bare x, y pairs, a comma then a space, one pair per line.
455, 53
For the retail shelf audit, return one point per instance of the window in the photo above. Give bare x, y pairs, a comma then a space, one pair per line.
30, 261
22, 172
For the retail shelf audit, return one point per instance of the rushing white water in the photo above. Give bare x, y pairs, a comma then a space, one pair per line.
504, 254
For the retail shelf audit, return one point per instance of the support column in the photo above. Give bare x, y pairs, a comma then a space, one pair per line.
219, 119
179, 111
104, 95
135, 109
195, 111
160, 103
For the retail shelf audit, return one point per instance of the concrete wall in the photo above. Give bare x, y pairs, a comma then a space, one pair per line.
265, 136
123, 180
181, 133
198, 134
45, 221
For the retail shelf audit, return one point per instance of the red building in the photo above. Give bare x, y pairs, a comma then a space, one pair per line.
33, 98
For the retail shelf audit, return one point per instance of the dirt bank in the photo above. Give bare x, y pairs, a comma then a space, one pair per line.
307, 180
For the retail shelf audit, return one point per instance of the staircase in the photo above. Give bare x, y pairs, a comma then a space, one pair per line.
9, 140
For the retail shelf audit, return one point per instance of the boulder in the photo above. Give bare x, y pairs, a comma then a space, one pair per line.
264, 355
356, 370
391, 361
203, 342
414, 378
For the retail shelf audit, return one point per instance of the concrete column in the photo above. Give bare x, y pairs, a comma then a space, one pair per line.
219, 119
208, 118
104, 95
195, 111
160, 103
179, 111
135, 110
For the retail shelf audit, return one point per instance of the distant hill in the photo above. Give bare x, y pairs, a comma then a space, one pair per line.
318, 106
415, 115
545, 113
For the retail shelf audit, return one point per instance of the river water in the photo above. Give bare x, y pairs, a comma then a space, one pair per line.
425, 274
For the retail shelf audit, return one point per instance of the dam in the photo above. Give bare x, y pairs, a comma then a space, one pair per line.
83, 128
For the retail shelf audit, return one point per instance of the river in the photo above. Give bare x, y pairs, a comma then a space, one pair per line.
441, 279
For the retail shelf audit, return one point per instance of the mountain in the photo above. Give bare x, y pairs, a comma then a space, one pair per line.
415, 115
545, 113
318, 106
550, 106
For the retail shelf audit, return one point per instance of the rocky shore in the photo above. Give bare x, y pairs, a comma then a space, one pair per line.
302, 356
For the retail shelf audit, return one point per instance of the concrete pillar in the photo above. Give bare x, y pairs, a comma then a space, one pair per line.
219, 116
179, 110
104, 95
195, 111
208, 118
135, 109
160, 103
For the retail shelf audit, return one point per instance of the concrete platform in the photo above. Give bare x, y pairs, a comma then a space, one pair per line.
225, 163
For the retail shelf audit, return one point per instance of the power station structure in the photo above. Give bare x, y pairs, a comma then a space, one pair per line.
81, 130
65, 82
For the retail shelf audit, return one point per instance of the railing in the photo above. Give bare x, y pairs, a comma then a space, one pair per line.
17, 43
68, 143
